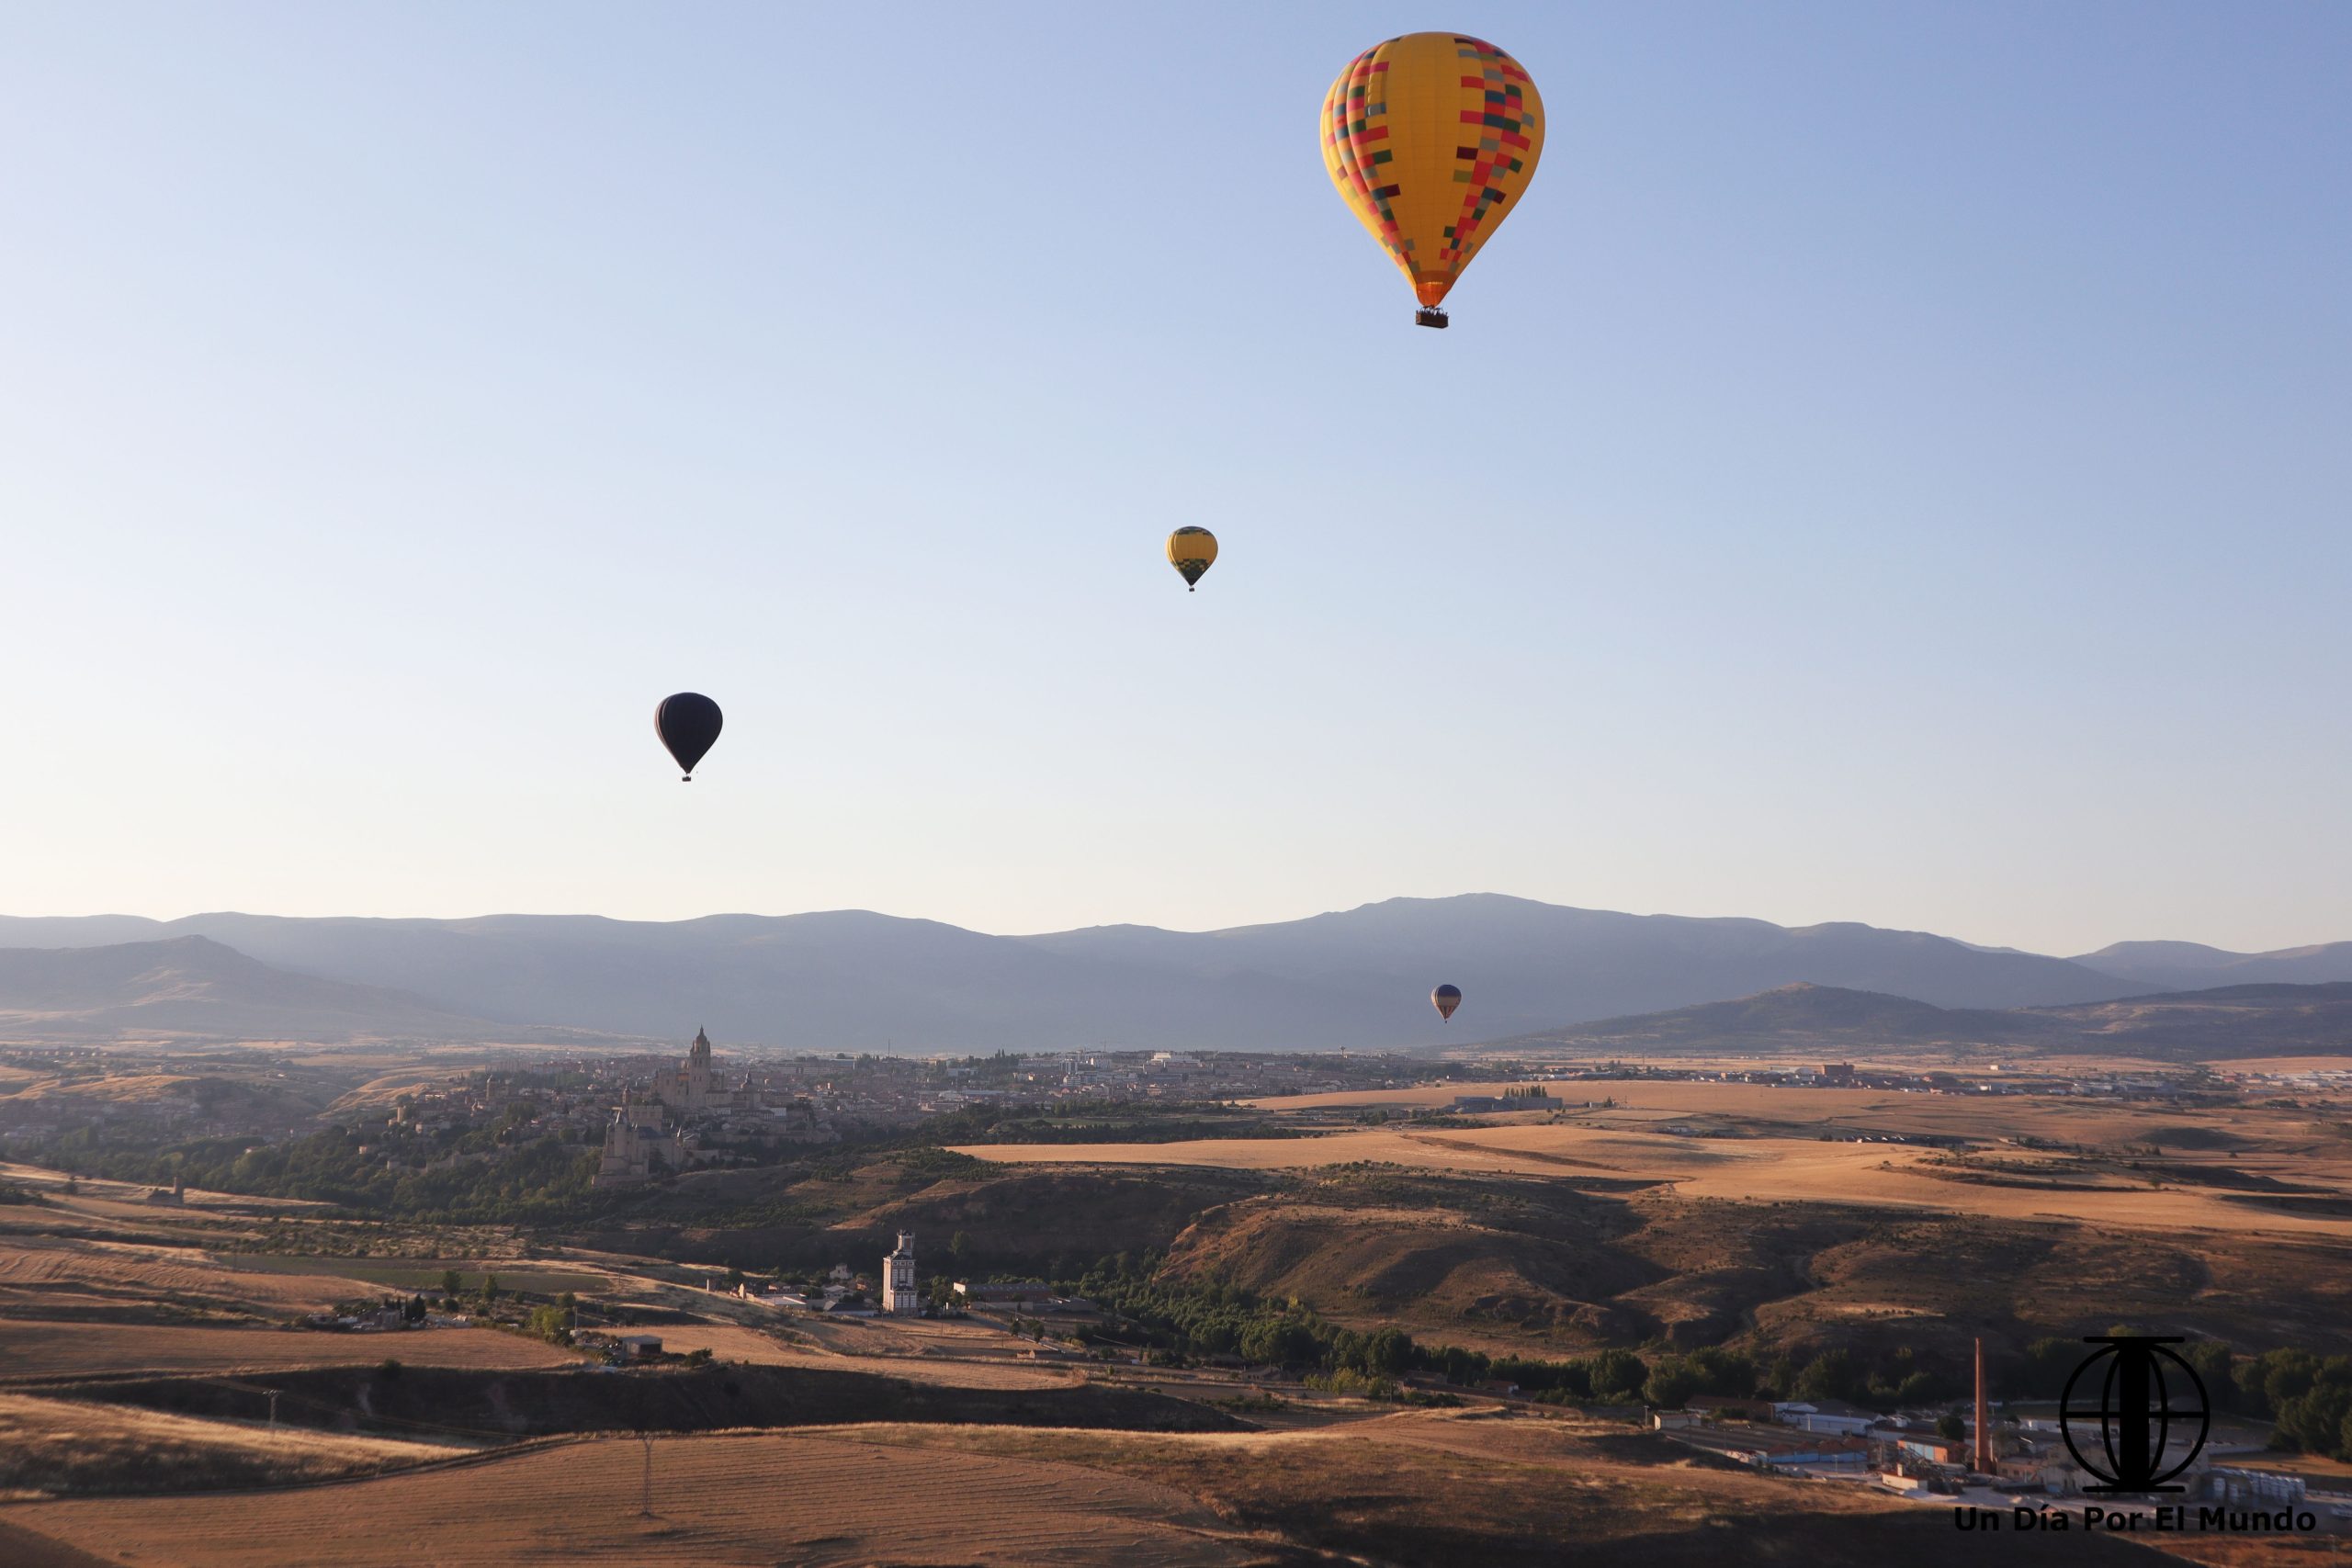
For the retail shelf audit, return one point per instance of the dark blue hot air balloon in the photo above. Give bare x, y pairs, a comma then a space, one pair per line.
688, 723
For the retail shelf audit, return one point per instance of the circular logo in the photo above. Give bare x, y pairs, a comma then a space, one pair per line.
2146, 1403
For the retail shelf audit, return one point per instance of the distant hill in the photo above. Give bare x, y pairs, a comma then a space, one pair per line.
2223, 1022
2208, 1025
851, 979
1798, 1017
2190, 966
192, 989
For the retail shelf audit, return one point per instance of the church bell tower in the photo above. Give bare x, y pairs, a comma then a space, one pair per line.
899, 1278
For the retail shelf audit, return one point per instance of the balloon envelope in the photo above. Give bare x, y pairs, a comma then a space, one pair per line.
1431, 139
687, 723
1192, 551
1446, 998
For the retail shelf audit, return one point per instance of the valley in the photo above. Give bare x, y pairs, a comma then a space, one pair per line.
1307, 1339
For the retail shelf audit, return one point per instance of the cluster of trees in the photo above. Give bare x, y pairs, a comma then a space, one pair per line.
555, 1321
493, 1177
2307, 1396
1671, 1379
1209, 1319
1889, 1378
1206, 1318
1141, 1121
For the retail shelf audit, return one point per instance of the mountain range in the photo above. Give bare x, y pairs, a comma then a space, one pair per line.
192, 988
855, 980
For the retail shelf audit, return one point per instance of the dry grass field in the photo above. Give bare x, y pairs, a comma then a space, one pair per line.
48, 1351
49, 1446
2065, 1119
819, 1497
98, 1207
980, 1360
1786, 1170
420, 1272
1504, 1488
73, 1276
1479, 1485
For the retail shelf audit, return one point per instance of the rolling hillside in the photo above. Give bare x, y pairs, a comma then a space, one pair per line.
194, 988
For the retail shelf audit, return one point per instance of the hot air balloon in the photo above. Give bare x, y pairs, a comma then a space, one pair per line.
1446, 998
1431, 139
1192, 551
688, 723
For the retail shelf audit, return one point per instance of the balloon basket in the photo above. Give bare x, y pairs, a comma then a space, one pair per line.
1430, 316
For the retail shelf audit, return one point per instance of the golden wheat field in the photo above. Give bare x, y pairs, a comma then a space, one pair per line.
816, 1497
1782, 1169
60, 1445
31, 1349
873, 1347
54, 1272
52, 1183
1358, 1487
2057, 1118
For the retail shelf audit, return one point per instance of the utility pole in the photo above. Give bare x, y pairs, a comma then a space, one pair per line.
1982, 1458
273, 1410
645, 1504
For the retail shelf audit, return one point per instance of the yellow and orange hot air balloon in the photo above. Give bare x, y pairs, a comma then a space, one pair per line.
1192, 551
1431, 139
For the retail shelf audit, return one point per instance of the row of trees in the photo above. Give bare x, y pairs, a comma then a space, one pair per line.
1138, 1122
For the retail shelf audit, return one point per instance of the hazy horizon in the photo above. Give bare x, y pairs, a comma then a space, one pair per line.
1898, 475
1276, 918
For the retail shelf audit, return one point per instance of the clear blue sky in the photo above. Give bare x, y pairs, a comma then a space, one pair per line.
1893, 467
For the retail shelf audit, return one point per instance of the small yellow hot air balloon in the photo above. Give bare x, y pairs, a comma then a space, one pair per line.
1431, 139
1192, 551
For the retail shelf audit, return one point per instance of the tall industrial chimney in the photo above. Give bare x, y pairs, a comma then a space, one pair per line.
1981, 1458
